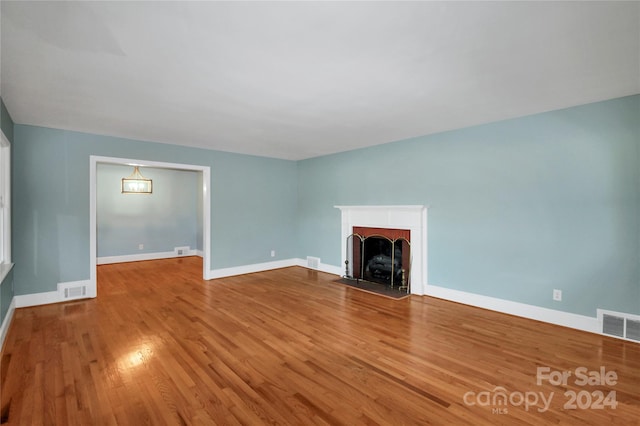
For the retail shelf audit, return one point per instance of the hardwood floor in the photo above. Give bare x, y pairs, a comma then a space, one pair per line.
161, 346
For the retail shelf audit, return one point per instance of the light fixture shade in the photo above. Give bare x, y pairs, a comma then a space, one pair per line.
136, 183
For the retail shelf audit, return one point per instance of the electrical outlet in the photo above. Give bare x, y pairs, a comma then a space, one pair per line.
557, 295
181, 251
140, 246
273, 253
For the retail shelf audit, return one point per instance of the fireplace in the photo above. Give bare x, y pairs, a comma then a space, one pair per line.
397, 223
381, 255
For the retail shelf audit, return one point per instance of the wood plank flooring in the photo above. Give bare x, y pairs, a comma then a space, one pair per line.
292, 347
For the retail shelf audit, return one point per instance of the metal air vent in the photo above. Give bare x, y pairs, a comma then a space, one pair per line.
313, 262
618, 324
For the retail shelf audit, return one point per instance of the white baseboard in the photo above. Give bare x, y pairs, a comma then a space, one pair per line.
566, 319
249, 269
322, 267
6, 322
105, 260
35, 299
48, 297
259, 267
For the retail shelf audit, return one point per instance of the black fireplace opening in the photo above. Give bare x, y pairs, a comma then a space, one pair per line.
382, 260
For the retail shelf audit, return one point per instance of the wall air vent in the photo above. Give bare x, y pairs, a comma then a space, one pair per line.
73, 290
613, 325
313, 262
633, 330
625, 326
182, 251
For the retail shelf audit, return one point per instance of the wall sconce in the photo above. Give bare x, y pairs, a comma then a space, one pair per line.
136, 183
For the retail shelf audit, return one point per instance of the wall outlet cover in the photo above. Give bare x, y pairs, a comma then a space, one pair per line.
557, 295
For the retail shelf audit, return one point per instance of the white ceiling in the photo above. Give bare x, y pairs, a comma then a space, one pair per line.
296, 80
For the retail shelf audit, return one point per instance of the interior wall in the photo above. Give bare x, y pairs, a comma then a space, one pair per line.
516, 208
160, 221
253, 203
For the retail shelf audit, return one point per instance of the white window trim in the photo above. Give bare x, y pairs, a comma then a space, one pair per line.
5, 206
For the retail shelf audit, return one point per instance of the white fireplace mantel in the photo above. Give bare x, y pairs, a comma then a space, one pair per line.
413, 218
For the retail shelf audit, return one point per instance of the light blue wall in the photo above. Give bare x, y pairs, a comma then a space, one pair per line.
516, 208
165, 219
253, 203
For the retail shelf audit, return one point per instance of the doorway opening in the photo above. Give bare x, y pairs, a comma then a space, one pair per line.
204, 204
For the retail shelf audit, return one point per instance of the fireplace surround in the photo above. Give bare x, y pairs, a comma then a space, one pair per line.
410, 217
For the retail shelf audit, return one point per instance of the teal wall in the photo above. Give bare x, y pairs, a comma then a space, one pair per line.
516, 208
165, 219
253, 203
